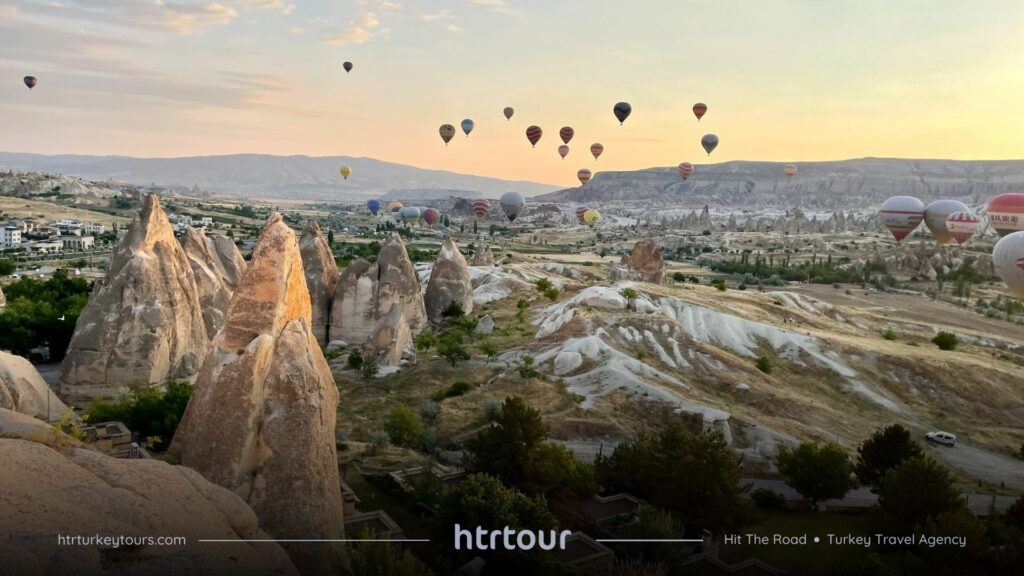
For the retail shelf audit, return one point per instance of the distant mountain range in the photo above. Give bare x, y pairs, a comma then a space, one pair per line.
267, 176
863, 182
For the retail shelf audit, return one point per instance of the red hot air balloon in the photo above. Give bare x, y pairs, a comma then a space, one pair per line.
685, 170
699, 110
580, 212
596, 149
533, 134
902, 215
1006, 213
962, 225
481, 206
347, 66
566, 134
431, 216
584, 175
563, 151
31, 82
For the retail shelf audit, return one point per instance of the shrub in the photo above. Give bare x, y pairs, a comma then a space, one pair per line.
526, 369
424, 341
889, 334
355, 360
453, 311
429, 409
628, 293
404, 427
945, 341
679, 277
719, 284
542, 284
370, 368
764, 364
767, 499
456, 389
552, 293
378, 440
150, 411
489, 349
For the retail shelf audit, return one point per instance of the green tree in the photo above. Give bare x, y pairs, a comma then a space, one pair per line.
7, 267
369, 368
628, 293
945, 341
355, 360
915, 490
817, 472
552, 293
504, 448
886, 449
450, 347
404, 427
489, 349
424, 341
148, 410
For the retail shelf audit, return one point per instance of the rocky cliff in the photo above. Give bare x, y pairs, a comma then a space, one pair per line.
23, 390
449, 283
643, 264
261, 420
483, 256
143, 322
321, 277
217, 266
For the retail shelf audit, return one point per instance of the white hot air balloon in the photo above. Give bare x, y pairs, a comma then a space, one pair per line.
936, 214
902, 215
963, 225
1008, 259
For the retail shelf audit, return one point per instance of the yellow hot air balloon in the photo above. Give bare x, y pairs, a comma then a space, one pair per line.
591, 217
346, 171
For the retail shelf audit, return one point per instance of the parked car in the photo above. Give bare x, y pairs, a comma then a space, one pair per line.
944, 438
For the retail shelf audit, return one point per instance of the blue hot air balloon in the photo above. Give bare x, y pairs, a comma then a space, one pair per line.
467, 126
374, 206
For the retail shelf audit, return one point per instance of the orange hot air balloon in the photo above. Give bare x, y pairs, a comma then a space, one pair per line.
566, 134
699, 110
580, 212
596, 149
685, 170
584, 175
533, 134
563, 150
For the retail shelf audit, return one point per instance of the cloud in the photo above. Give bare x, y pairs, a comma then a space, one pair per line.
282, 6
296, 30
487, 2
186, 19
454, 28
167, 15
439, 15
358, 32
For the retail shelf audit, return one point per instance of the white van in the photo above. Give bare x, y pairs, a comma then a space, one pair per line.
941, 438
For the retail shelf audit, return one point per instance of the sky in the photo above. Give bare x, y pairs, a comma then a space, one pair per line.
784, 80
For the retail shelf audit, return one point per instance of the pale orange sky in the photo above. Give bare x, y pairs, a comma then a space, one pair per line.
785, 80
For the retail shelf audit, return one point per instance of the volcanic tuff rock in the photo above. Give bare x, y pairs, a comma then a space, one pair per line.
449, 283
143, 322
365, 293
391, 340
321, 277
644, 263
217, 266
483, 256
23, 390
261, 420
53, 485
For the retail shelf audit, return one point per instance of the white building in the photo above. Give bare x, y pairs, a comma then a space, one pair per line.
10, 237
93, 228
77, 243
44, 247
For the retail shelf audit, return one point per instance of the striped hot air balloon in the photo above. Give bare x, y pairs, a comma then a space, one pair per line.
481, 206
447, 132
566, 134
902, 215
699, 110
508, 112
431, 216
584, 175
596, 149
533, 134
1006, 213
580, 212
685, 170
935, 216
963, 225
563, 151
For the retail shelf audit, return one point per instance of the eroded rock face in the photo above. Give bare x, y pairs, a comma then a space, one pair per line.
261, 420
449, 283
23, 390
321, 277
143, 322
217, 267
483, 256
52, 485
397, 278
391, 340
645, 263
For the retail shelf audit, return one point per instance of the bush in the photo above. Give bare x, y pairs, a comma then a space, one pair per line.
489, 349
526, 369
764, 364
628, 293
552, 293
424, 341
450, 348
429, 409
542, 284
456, 389
453, 311
889, 334
370, 368
377, 440
404, 427
945, 341
719, 284
767, 499
355, 360
679, 277
149, 411
7, 267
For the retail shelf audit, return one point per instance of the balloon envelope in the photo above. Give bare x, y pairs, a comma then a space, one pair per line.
345, 172
394, 206
963, 225
563, 150
591, 217
709, 142
596, 149
584, 175
566, 134
790, 170
685, 170
513, 204
580, 212
467, 126
31, 82
1006, 213
373, 206
447, 132
481, 206
409, 214
431, 216
508, 112
622, 111
1008, 259
935, 216
699, 110
902, 215
533, 134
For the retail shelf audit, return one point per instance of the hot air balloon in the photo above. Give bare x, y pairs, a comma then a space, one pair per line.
1008, 258
481, 206
431, 216
347, 66
31, 82
580, 212
685, 170
622, 111
962, 225
591, 218
513, 204
699, 110
584, 175
508, 112
935, 216
563, 150
790, 170
409, 214
1006, 213
373, 206
467, 126
345, 171
566, 134
902, 215
533, 134
447, 132
709, 142
394, 206
596, 149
